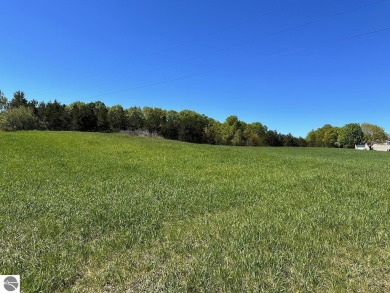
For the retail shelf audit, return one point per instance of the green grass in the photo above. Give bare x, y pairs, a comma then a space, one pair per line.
89, 212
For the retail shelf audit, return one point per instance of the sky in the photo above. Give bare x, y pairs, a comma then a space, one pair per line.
293, 65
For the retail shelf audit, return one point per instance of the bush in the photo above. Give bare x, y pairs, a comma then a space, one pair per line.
21, 118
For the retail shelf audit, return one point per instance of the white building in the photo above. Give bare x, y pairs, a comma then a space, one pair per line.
384, 147
361, 147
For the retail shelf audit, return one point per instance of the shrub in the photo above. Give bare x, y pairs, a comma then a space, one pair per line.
21, 118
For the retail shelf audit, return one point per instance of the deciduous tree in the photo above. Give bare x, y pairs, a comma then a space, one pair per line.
135, 119
20, 118
191, 126
170, 128
373, 134
350, 135
101, 113
155, 119
116, 118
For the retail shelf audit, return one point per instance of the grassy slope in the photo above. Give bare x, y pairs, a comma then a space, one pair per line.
94, 212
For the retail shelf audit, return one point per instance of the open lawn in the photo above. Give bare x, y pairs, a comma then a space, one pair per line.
91, 212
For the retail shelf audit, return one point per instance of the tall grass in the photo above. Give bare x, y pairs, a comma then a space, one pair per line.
90, 212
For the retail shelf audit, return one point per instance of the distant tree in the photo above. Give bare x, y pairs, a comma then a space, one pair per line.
41, 115
226, 132
331, 135
251, 137
210, 131
134, 118
301, 142
311, 138
236, 132
88, 117
20, 118
373, 134
33, 105
259, 128
232, 120
101, 113
18, 100
260, 131
155, 119
53, 115
170, 129
239, 138
116, 118
350, 135
75, 111
3, 102
191, 126
289, 140
322, 135
325, 136
273, 138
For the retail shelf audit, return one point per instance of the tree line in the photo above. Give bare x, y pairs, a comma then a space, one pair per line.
186, 125
22, 114
347, 136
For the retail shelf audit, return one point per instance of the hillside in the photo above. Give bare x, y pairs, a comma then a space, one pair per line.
92, 212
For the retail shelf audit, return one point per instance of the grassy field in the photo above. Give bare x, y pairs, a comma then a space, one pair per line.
90, 212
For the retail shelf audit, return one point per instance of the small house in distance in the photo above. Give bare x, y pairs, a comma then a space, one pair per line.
384, 147
361, 147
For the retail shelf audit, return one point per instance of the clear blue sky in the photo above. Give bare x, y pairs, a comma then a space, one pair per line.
247, 55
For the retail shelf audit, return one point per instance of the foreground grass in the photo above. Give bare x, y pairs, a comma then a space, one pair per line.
88, 212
